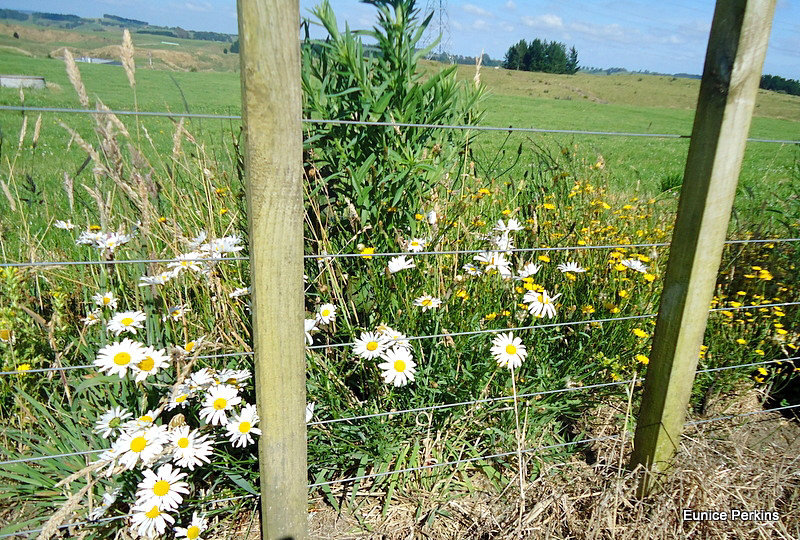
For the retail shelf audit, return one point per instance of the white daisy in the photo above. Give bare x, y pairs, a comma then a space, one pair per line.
154, 359
192, 346
202, 378
163, 488
241, 427
126, 321
399, 367
541, 304
220, 246
66, 225
116, 358
393, 337
218, 401
427, 302
176, 312
196, 527
234, 377
494, 261
416, 244
503, 241
91, 238
144, 445
508, 351
92, 318
189, 261
432, 218
471, 269
326, 314
195, 242
309, 325
158, 279
529, 270
190, 449
105, 300
400, 263
370, 345
239, 292
139, 423
112, 241
110, 422
513, 225
180, 397
634, 264
149, 521
571, 267
309, 411
109, 498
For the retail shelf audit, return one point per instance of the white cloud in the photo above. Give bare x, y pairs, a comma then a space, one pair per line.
507, 27
511, 5
200, 7
479, 24
475, 10
548, 20
608, 32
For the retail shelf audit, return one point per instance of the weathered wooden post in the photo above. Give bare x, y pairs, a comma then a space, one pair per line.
269, 38
734, 59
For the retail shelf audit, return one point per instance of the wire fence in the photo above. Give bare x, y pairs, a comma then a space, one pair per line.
427, 467
323, 257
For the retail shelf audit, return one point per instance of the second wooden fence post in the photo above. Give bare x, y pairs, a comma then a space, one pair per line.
734, 59
269, 37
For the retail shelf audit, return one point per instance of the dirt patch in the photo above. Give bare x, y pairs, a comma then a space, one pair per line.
41, 35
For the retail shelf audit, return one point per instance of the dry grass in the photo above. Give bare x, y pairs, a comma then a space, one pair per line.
746, 464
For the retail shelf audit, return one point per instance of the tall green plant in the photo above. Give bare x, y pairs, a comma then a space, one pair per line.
383, 172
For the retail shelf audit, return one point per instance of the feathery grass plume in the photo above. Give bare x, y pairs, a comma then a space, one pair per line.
113, 118
22, 132
69, 189
98, 164
75, 78
21, 97
477, 77
51, 527
101, 205
177, 138
36, 130
8, 196
127, 57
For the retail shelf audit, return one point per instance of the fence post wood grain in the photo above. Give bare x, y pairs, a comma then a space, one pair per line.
734, 59
269, 38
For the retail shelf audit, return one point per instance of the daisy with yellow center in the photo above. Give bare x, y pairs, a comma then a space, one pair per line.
105, 300
326, 314
164, 488
117, 358
427, 302
399, 367
143, 445
196, 527
242, 427
110, 422
416, 244
148, 521
190, 449
541, 304
126, 321
218, 401
508, 351
370, 345
154, 359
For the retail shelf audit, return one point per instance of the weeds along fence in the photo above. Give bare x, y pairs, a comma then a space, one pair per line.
273, 165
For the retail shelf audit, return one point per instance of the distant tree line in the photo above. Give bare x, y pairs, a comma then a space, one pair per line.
123, 20
779, 84
486, 60
542, 55
60, 17
13, 14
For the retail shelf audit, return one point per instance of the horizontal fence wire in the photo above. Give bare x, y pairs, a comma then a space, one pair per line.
508, 129
324, 256
90, 366
446, 405
100, 521
420, 468
435, 336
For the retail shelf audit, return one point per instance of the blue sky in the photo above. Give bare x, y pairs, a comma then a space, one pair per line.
665, 35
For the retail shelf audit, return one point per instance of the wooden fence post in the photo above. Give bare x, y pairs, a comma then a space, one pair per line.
269, 38
734, 59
